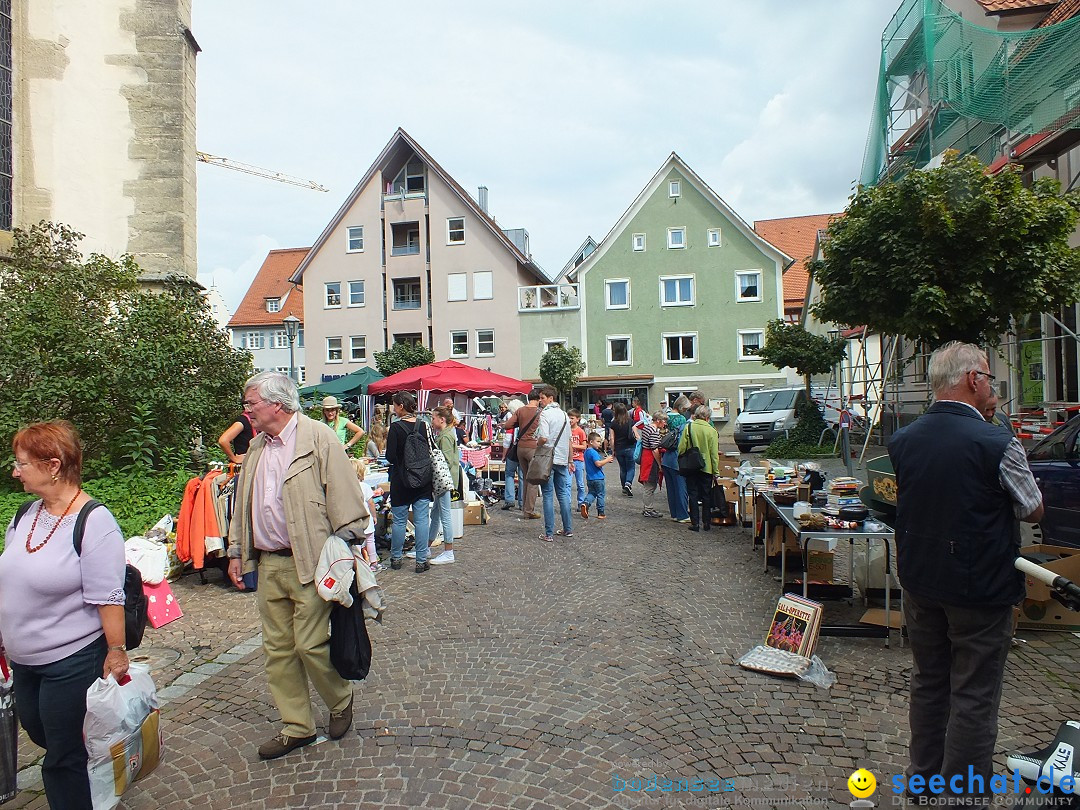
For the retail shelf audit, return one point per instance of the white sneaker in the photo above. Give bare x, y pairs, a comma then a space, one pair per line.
445, 558
411, 555
436, 542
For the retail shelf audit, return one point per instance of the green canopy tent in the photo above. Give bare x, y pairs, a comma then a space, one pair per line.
355, 383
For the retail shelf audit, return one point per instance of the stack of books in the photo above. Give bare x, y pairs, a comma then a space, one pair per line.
843, 492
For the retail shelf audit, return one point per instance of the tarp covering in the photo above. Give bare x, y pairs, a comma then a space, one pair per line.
355, 383
449, 376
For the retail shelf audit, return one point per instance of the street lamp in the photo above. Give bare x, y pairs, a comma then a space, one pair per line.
845, 439
292, 329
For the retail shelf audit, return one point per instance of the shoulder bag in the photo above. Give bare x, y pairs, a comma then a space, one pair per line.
544, 460
441, 480
512, 450
690, 460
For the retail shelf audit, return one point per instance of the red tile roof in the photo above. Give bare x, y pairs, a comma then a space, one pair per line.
795, 236
272, 281
999, 6
1065, 10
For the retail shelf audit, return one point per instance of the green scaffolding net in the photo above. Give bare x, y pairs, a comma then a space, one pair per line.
947, 83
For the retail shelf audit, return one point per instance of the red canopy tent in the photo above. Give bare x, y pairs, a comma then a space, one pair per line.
449, 376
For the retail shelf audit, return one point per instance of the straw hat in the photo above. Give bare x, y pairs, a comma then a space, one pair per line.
330, 402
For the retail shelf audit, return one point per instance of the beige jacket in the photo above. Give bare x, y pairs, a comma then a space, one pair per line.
321, 493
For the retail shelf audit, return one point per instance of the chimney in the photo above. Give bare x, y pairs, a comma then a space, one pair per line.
482, 198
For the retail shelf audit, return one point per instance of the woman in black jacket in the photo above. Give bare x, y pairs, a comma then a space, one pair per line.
402, 496
622, 438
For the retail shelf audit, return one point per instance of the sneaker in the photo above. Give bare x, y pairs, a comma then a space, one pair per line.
421, 567
650, 513
411, 554
628, 490
396, 564
445, 558
340, 722
507, 506
601, 516
683, 520
377, 568
436, 542
584, 509
547, 538
282, 744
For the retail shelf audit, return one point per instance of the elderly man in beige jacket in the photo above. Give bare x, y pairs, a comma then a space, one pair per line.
296, 489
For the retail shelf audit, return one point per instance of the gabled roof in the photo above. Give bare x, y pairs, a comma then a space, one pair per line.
272, 281
1006, 6
646, 193
399, 141
584, 251
796, 236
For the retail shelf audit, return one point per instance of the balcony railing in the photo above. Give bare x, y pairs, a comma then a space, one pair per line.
548, 298
405, 250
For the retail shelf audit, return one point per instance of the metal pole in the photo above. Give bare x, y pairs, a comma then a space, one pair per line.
292, 363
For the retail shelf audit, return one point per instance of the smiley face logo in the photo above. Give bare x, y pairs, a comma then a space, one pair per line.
861, 783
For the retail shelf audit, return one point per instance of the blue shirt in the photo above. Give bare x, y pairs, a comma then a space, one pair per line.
593, 471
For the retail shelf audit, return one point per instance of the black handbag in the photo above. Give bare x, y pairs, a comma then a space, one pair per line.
512, 450
350, 646
690, 460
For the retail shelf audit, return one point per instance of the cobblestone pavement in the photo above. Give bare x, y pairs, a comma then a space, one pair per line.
536, 675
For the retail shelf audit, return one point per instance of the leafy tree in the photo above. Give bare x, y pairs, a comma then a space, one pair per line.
950, 253
140, 373
791, 346
560, 367
401, 356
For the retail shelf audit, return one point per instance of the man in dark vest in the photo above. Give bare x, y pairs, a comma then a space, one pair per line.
962, 486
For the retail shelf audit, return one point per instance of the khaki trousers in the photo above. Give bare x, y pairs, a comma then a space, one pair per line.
525, 457
296, 641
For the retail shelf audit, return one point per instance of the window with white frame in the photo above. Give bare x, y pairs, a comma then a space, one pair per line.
677, 291
457, 287
333, 350
638, 241
356, 294
354, 236
485, 342
358, 349
407, 293
549, 342
281, 339
482, 285
273, 305
333, 294
617, 292
301, 374
676, 238
300, 338
455, 231
253, 340
619, 350
459, 344
748, 285
680, 347
674, 188
714, 237
750, 343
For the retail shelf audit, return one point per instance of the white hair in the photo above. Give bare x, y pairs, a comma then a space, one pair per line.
949, 364
273, 386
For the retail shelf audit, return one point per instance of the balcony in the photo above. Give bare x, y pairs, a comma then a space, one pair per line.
548, 298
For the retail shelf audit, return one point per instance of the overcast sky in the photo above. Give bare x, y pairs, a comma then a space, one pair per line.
564, 110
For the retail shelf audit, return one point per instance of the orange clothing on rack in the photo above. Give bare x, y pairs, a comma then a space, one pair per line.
203, 520
183, 521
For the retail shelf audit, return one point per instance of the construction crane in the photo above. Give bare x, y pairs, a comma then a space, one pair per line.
247, 168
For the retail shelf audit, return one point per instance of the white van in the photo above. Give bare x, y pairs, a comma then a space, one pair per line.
770, 413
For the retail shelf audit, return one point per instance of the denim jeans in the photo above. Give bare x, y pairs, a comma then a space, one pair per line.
579, 481
510, 494
699, 487
557, 485
626, 466
678, 504
441, 515
50, 700
421, 519
597, 491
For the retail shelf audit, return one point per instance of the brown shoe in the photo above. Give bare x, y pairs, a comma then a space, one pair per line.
585, 511
340, 722
282, 744
533, 515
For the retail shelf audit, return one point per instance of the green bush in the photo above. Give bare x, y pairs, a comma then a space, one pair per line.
802, 441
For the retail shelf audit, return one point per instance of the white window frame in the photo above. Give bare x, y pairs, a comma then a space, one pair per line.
483, 285
739, 297
677, 302
549, 342
629, 361
363, 293
663, 348
671, 232
339, 349
273, 304
607, 293
256, 338
354, 233
713, 237
353, 347
280, 339
745, 391
463, 293
450, 231
460, 333
743, 333
301, 374
328, 295
674, 189
482, 353
637, 242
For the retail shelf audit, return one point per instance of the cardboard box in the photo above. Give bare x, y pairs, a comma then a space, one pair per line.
781, 536
1039, 610
819, 566
821, 544
475, 514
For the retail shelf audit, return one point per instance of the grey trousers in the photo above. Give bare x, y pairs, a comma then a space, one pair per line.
958, 662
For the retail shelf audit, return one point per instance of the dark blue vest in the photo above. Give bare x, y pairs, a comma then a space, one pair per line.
956, 534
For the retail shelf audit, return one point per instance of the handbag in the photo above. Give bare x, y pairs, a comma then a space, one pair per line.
544, 459
350, 645
9, 736
512, 450
637, 452
690, 460
440, 470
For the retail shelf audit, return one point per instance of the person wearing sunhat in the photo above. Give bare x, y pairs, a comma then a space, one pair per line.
331, 411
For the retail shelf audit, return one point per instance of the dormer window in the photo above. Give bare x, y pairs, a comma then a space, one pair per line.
273, 305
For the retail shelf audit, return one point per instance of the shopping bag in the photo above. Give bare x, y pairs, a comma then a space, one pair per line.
350, 646
122, 733
9, 736
161, 604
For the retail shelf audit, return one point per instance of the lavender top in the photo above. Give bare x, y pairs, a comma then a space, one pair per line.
49, 599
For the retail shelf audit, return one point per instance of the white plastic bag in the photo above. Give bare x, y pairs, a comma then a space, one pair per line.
121, 727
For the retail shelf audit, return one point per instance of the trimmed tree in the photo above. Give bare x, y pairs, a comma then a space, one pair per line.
950, 254
401, 356
560, 367
792, 346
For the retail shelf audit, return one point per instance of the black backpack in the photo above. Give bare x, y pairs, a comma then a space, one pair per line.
135, 604
416, 457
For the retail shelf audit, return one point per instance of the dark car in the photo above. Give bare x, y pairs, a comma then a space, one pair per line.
1055, 463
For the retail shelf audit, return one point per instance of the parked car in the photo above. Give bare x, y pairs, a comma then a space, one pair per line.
1055, 463
770, 413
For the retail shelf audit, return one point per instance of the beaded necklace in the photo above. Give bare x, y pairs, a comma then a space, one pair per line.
52, 531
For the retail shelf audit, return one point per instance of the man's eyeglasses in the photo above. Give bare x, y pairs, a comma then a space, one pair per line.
250, 405
989, 377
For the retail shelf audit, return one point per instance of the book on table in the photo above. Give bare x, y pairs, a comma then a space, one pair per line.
795, 625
